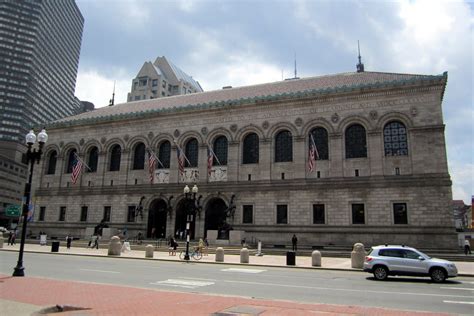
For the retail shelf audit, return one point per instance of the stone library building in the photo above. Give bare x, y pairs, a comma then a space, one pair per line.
335, 159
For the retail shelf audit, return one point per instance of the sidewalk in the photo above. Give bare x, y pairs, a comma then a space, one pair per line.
327, 263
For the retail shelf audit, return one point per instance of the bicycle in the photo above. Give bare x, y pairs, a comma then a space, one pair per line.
195, 254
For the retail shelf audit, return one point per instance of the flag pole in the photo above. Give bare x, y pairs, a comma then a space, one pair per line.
181, 151
214, 155
82, 161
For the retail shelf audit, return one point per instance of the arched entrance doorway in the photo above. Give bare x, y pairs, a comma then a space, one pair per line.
157, 219
181, 219
216, 217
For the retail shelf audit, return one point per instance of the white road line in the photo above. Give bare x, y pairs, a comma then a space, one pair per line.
457, 302
102, 271
188, 284
243, 270
346, 290
201, 279
466, 282
457, 288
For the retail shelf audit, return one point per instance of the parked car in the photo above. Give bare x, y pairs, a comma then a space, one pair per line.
387, 260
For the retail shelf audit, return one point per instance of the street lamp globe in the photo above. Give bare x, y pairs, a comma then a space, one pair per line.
186, 189
30, 138
195, 189
42, 136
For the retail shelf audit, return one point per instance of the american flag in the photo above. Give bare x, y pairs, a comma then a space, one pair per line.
312, 154
76, 169
151, 165
180, 160
210, 159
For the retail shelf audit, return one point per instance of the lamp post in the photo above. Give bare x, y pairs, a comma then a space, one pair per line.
189, 214
32, 156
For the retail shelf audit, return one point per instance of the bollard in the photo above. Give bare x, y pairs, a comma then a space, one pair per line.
1, 240
149, 251
115, 246
220, 254
358, 256
316, 258
244, 255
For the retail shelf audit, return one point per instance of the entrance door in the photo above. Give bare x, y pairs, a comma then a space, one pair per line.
157, 219
184, 206
216, 218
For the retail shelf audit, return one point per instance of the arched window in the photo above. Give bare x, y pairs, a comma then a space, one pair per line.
250, 150
115, 156
53, 157
71, 158
164, 155
139, 157
220, 149
356, 142
395, 139
283, 147
320, 138
192, 153
93, 159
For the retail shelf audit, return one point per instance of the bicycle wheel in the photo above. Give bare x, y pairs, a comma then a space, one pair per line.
182, 254
197, 255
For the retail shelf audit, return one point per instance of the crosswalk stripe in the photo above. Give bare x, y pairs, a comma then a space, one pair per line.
189, 284
459, 302
243, 270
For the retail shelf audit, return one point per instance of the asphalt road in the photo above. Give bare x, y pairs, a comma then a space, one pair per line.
301, 285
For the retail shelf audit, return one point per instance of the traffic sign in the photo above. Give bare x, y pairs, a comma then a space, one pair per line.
13, 210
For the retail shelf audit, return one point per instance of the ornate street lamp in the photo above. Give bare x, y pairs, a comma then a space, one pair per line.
189, 214
32, 156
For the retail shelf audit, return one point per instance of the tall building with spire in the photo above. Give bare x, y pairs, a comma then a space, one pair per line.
161, 79
40, 43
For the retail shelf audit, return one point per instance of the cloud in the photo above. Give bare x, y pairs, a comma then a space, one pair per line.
463, 187
97, 88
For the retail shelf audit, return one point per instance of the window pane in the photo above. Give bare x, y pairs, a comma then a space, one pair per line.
192, 153
400, 215
320, 137
131, 214
282, 214
283, 147
164, 155
220, 149
358, 214
62, 213
395, 139
318, 214
356, 143
53, 157
107, 210
93, 159
70, 160
42, 213
115, 156
250, 150
247, 214
139, 157
83, 213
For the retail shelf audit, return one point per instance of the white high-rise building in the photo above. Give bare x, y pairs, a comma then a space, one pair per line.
161, 79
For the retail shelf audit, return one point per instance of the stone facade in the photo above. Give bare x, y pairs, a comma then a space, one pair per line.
418, 180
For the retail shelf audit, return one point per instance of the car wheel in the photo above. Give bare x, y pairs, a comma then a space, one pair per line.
438, 275
380, 273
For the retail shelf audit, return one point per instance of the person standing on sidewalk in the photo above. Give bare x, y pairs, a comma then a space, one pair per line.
294, 242
467, 247
68, 242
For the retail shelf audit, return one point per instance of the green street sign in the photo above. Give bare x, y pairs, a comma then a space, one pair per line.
13, 210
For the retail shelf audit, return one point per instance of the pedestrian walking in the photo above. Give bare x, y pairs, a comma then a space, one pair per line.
294, 242
10, 237
96, 242
68, 242
467, 247
173, 245
13, 237
206, 246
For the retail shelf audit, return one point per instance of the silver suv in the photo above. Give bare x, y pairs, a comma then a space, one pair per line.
387, 260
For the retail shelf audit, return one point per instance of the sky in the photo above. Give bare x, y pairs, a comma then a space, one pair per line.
246, 42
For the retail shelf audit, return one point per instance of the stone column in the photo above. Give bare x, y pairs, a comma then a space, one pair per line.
375, 152
265, 160
336, 155
299, 157
233, 161
174, 172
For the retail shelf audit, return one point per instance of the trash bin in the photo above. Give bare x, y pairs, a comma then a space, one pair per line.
55, 246
290, 258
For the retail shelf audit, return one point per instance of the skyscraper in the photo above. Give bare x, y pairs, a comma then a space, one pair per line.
40, 43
